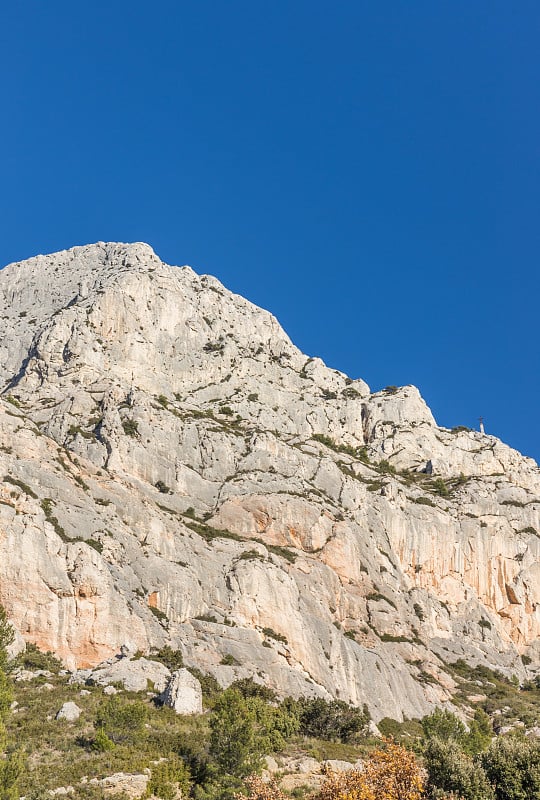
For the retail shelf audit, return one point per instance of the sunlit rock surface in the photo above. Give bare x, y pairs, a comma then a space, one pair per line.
145, 409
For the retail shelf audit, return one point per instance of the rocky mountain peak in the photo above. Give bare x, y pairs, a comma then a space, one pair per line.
177, 471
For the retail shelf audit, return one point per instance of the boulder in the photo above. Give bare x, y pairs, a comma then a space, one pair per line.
69, 711
131, 785
183, 693
336, 765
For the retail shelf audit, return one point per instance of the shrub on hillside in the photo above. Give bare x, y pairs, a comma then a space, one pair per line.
451, 770
121, 721
512, 764
332, 720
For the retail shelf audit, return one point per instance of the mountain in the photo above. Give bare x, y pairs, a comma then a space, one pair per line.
177, 472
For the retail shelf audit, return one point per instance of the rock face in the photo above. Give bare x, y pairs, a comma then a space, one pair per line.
183, 693
177, 472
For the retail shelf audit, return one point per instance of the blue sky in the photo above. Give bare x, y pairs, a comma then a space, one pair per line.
367, 171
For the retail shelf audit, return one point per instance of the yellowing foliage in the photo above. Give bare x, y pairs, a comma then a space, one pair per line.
390, 773
261, 790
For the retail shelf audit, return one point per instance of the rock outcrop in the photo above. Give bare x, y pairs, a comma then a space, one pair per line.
183, 693
177, 472
134, 675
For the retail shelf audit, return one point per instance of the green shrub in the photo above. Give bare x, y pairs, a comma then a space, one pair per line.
390, 637
333, 720
440, 487
248, 688
13, 400
47, 506
272, 634
7, 637
376, 596
251, 555
451, 770
424, 501
512, 764
242, 729
122, 721
444, 725
33, 658
131, 427
11, 769
214, 347
101, 742
173, 659
168, 777
229, 660
21, 485
159, 614
209, 685
355, 452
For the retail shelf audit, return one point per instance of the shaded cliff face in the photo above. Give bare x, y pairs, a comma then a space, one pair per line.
177, 471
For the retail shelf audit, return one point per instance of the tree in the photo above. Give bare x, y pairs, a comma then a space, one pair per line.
234, 740
7, 636
451, 770
11, 767
11, 763
480, 733
243, 728
167, 778
444, 725
512, 764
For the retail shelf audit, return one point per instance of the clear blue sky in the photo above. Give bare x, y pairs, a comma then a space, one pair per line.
367, 171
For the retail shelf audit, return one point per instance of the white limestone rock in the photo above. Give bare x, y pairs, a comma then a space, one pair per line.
70, 712
129, 785
133, 674
183, 693
144, 408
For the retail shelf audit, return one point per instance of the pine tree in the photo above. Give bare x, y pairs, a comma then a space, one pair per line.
11, 763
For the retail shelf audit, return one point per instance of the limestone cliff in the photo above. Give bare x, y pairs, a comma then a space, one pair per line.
177, 471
